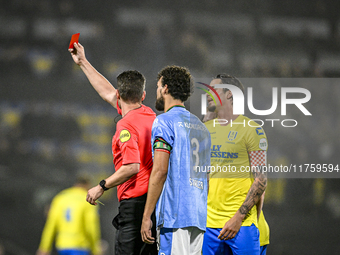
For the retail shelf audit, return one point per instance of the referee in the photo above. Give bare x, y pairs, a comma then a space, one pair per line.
131, 149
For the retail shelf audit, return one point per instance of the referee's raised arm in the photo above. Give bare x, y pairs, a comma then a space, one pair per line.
103, 87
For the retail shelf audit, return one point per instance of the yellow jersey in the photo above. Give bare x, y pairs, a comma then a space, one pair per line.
73, 223
230, 175
264, 230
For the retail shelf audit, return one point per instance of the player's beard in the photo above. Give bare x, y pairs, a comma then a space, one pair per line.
160, 103
212, 108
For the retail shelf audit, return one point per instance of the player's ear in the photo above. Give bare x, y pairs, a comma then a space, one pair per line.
165, 89
117, 94
229, 94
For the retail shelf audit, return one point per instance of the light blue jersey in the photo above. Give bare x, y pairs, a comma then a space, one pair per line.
183, 202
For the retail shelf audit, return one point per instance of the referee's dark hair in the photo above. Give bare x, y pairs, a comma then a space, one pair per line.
229, 79
131, 85
179, 81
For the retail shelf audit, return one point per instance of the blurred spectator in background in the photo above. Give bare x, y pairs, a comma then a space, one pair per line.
72, 222
151, 51
2, 249
191, 50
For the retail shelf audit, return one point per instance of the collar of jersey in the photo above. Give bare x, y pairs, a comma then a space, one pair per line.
176, 105
132, 110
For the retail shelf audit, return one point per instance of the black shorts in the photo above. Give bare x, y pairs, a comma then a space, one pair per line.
128, 223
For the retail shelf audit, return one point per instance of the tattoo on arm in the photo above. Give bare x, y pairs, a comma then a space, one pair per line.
255, 192
257, 160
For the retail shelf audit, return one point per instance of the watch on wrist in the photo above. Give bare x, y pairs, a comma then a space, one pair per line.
102, 184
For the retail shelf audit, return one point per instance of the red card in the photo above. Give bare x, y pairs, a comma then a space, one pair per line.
74, 39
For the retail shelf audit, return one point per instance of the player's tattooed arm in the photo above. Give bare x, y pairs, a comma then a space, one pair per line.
232, 226
255, 192
257, 160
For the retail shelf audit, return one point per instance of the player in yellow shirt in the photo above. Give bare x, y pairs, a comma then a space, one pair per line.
264, 234
236, 184
72, 223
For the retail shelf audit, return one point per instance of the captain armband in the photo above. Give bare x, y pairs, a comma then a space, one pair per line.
161, 145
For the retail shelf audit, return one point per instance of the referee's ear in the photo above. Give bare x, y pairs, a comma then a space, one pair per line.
143, 96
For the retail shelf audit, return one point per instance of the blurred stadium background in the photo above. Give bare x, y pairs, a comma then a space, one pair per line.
53, 125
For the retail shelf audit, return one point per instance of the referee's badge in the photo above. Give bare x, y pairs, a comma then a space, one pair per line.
232, 135
124, 136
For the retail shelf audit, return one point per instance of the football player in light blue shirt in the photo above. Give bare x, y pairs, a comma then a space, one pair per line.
178, 181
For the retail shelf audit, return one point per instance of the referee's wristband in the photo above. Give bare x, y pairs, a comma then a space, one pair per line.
102, 184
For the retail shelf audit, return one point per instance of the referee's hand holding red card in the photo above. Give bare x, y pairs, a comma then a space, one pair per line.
77, 53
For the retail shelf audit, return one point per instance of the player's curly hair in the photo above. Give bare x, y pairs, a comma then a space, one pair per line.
179, 81
131, 85
229, 79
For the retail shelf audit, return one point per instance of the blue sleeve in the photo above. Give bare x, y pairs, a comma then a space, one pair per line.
162, 128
